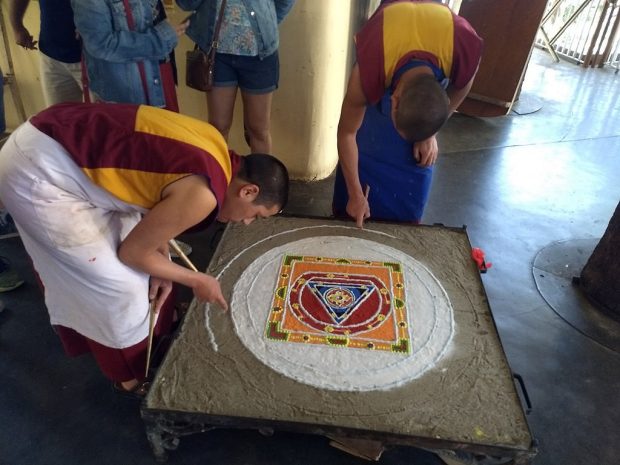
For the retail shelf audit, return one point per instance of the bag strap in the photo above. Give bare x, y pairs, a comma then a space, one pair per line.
218, 26
132, 27
85, 86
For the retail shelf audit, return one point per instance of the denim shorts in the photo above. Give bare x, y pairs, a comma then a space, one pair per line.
250, 74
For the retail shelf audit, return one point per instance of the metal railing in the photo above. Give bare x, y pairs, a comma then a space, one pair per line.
614, 57
585, 32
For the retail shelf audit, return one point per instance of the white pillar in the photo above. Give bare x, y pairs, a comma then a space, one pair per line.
315, 44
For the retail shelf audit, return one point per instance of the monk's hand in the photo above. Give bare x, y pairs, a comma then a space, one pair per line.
208, 289
358, 209
159, 290
425, 152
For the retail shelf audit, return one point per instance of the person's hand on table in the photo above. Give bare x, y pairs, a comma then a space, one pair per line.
358, 209
207, 289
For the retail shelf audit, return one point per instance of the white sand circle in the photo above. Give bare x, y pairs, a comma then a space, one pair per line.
430, 317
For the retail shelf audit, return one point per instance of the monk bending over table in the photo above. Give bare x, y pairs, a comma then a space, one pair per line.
97, 191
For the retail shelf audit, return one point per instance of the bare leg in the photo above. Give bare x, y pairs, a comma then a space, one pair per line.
221, 105
133, 386
129, 385
257, 120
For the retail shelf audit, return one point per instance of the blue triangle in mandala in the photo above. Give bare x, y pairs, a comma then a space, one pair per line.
340, 311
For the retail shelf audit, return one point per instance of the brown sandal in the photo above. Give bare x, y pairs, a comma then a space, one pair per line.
139, 391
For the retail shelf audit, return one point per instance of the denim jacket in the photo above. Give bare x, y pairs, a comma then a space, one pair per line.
112, 49
265, 15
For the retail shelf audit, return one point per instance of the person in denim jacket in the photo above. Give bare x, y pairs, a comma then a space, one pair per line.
128, 56
247, 59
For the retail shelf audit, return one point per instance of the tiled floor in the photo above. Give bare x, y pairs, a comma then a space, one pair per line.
519, 183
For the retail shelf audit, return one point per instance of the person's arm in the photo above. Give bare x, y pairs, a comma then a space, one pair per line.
458, 95
282, 8
16, 17
351, 117
184, 204
94, 22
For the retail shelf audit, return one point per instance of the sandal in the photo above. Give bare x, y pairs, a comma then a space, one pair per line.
139, 391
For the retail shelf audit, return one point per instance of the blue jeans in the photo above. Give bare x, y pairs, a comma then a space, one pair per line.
2, 120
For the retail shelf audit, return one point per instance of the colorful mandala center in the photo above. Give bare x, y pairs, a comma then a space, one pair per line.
342, 302
339, 303
339, 297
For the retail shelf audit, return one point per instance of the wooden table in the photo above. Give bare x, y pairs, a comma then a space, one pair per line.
467, 402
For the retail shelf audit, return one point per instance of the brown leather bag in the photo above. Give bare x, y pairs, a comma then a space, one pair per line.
199, 69
199, 66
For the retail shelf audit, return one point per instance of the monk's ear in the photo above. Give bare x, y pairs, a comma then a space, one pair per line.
249, 192
395, 100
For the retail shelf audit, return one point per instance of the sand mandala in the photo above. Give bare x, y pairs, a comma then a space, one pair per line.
342, 313
341, 302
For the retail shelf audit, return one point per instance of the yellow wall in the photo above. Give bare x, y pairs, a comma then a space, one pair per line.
314, 48
26, 65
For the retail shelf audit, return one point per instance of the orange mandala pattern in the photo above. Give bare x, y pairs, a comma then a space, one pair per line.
340, 302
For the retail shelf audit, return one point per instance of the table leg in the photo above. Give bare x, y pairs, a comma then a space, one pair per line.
161, 439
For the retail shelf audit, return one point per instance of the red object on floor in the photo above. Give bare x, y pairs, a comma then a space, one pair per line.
478, 255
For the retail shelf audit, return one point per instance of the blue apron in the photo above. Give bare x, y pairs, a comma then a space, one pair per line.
399, 188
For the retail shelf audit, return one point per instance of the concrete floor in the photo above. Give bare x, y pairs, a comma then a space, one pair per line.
519, 183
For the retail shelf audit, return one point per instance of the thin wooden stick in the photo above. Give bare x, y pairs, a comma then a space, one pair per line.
152, 313
181, 255
152, 321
